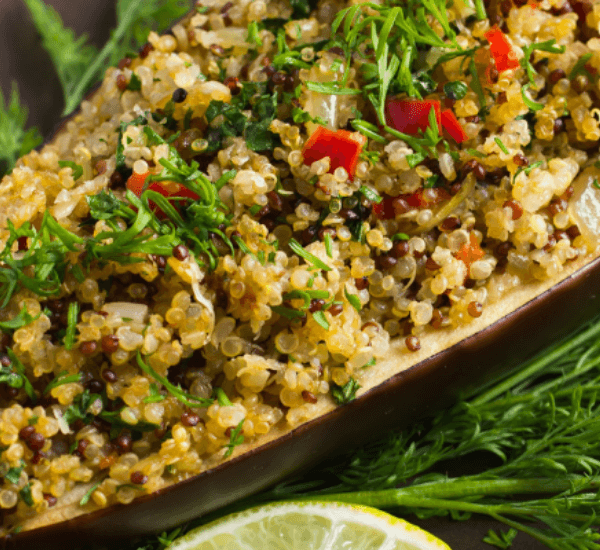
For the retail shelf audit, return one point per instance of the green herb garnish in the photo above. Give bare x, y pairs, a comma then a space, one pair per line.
134, 84
89, 493
346, 393
155, 395
72, 316
187, 399
532, 105
456, 89
14, 474
236, 438
501, 145
25, 494
354, 300
76, 168
321, 320
15, 140
310, 258
22, 319
78, 64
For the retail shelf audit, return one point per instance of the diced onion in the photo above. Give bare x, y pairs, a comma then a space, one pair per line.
584, 206
128, 310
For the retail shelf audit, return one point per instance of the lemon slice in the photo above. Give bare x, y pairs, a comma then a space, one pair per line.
309, 526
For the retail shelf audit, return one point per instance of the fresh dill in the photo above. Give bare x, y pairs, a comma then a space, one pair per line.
15, 139
78, 64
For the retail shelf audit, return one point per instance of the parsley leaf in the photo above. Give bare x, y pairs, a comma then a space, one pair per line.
14, 474
346, 393
456, 89
229, 119
76, 168
86, 498
25, 494
134, 84
105, 205
155, 395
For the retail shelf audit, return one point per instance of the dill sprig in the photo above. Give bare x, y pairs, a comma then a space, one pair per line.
15, 140
78, 64
542, 425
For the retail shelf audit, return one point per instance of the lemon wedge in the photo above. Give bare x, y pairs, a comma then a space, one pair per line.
309, 526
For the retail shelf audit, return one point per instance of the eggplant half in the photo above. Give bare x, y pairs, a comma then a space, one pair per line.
409, 381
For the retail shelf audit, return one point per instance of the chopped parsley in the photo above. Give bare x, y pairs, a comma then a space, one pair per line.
76, 168
579, 67
25, 494
230, 119
532, 105
456, 90
14, 375
14, 474
501, 145
346, 393
135, 84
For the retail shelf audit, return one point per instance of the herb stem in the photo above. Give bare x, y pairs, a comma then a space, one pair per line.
429, 495
480, 10
547, 358
92, 70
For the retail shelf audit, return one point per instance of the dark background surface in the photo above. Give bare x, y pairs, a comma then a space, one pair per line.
23, 60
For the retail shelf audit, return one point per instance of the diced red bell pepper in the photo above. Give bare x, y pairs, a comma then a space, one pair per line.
470, 252
416, 201
501, 49
411, 115
342, 147
169, 189
451, 124
136, 182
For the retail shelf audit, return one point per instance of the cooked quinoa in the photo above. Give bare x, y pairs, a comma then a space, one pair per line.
184, 269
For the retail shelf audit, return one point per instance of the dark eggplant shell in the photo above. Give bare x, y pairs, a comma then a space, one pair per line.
420, 389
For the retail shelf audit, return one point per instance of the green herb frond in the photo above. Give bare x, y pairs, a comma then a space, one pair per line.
15, 140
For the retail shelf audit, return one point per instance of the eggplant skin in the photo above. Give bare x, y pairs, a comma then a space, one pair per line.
523, 323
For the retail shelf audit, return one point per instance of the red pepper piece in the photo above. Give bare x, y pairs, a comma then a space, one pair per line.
169, 189
501, 49
470, 252
453, 127
411, 115
342, 147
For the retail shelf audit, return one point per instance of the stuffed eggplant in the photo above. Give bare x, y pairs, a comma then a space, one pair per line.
279, 229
